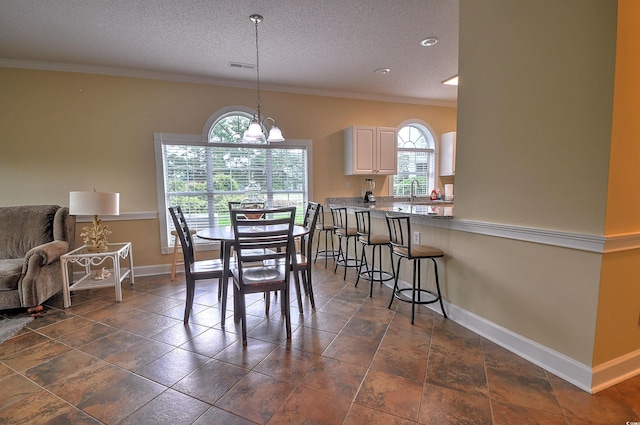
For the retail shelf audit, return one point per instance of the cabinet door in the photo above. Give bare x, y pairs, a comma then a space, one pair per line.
387, 152
359, 150
364, 145
448, 154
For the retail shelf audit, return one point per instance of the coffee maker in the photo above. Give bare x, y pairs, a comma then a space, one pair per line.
369, 185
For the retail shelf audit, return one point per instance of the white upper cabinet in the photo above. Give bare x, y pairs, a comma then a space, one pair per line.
370, 150
448, 154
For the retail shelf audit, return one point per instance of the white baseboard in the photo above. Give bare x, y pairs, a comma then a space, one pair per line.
615, 371
552, 361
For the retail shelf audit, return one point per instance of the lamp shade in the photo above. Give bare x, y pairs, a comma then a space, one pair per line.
275, 135
94, 203
254, 130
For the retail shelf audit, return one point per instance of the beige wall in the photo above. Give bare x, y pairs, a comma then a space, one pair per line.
535, 112
67, 131
534, 131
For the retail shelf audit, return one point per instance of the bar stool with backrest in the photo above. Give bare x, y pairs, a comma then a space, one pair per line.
345, 232
194, 270
400, 237
368, 239
324, 226
264, 248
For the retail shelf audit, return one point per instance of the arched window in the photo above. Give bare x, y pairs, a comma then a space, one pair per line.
229, 127
416, 159
203, 173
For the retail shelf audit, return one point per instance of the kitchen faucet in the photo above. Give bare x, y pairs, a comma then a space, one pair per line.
413, 193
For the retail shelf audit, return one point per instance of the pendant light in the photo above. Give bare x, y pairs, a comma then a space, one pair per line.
255, 132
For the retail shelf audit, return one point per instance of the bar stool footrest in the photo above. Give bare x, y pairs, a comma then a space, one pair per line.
327, 253
349, 262
376, 275
398, 295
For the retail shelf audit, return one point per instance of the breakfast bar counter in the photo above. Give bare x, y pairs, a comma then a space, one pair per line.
421, 210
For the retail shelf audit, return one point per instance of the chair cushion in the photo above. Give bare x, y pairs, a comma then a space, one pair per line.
374, 240
261, 275
419, 251
351, 231
10, 271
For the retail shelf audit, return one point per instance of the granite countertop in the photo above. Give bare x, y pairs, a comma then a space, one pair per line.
422, 206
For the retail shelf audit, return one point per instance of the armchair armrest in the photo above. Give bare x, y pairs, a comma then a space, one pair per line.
44, 254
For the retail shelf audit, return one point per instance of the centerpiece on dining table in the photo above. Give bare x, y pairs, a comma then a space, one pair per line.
252, 200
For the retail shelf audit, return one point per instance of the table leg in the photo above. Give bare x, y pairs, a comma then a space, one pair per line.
65, 283
116, 276
131, 280
224, 280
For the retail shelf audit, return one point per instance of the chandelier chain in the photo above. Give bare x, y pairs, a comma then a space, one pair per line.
256, 21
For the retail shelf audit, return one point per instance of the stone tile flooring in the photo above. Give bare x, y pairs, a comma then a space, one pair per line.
351, 362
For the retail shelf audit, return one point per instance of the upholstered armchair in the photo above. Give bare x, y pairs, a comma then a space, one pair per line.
32, 239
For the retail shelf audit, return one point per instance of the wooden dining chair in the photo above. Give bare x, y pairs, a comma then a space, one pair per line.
302, 264
264, 248
193, 270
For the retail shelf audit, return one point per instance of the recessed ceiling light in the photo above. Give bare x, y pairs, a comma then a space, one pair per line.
382, 71
429, 41
451, 81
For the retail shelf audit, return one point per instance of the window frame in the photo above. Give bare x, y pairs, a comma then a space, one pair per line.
161, 139
436, 153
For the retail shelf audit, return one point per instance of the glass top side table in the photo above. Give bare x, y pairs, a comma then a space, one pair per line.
115, 256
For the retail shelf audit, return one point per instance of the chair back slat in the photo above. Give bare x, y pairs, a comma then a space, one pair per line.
339, 216
263, 240
184, 234
363, 223
311, 217
321, 218
399, 231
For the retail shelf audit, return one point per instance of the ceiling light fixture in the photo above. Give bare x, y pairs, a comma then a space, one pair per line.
429, 41
452, 81
382, 71
256, 131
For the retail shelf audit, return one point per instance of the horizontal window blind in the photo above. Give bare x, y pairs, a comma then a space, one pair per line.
202, 177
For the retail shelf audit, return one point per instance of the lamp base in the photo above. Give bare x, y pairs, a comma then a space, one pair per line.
96, 237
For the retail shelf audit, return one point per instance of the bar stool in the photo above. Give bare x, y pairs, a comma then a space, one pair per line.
176, 245
342, 230
400, 237
366, 238
322, 226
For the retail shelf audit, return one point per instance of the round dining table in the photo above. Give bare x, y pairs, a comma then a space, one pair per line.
226, 237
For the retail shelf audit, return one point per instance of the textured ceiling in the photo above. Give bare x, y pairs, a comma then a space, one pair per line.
329, 47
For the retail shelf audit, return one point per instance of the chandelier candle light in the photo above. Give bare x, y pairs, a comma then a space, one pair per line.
94, 204
256, 131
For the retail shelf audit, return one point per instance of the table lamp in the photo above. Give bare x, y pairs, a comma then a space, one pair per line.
95, 204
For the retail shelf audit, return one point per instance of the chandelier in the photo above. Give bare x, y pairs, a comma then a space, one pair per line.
256, 131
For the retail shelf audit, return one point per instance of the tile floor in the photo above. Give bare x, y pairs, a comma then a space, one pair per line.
352, 361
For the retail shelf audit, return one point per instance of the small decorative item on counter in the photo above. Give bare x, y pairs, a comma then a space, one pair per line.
434, 195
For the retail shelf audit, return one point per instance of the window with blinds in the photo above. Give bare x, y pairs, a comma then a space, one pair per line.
202, 177
416, 160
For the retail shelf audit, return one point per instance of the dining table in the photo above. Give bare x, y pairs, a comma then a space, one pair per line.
226, 237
